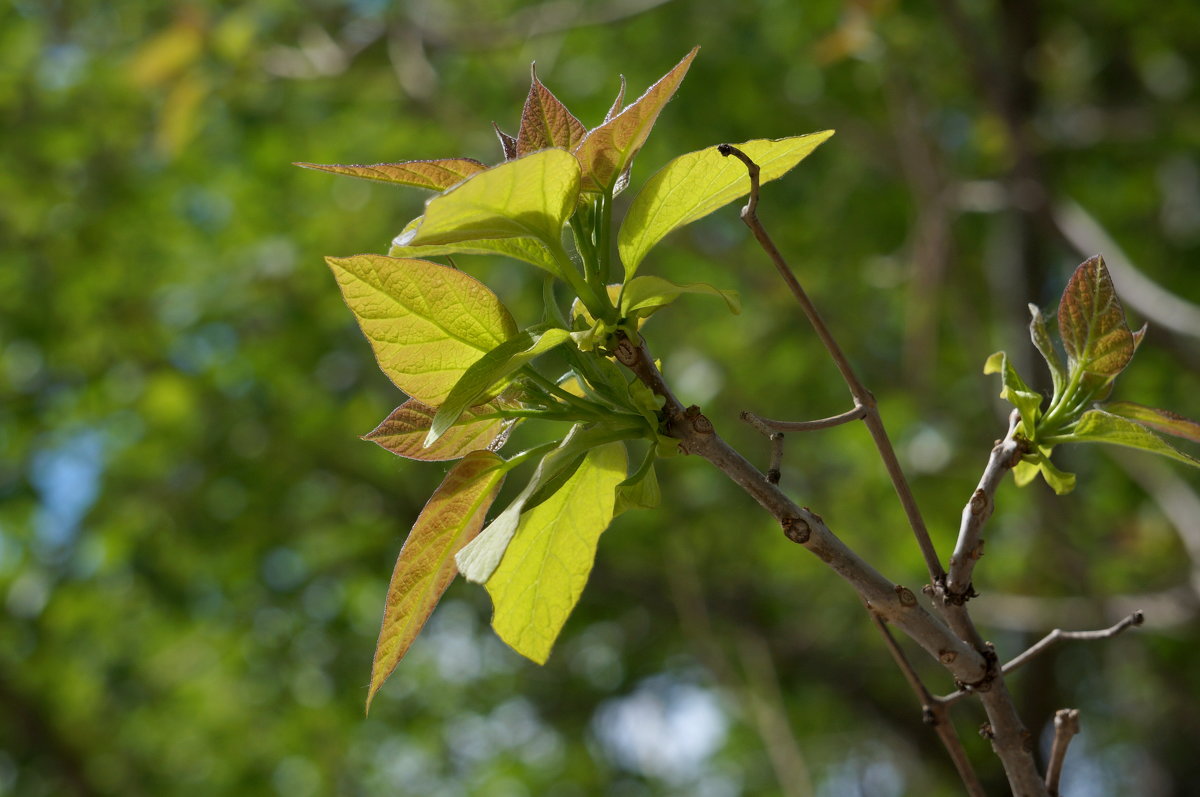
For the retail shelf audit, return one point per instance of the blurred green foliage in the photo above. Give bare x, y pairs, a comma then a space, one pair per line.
194, 546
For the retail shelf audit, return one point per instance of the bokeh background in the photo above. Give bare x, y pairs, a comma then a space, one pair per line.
194, 545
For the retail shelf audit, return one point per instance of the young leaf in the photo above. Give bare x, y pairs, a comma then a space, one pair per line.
508, 144
1098, 426
1092, 324
640, 491
484, 375
1060, 481
403, 433
546, 122
694, 185
645, 295
528, 197
615, 108
530, 250
1161, 420
607, 151
547, 565
426, 323
1040, 335
451, 518
1015, 391
436, 175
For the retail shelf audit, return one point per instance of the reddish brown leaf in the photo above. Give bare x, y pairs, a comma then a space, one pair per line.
1092, 322
452, 517
404, 431
546, 122
607, 151
615, 108
436, 175
508, 144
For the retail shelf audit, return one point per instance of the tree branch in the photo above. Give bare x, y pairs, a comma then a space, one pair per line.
1066, 725
862, 397
933, 712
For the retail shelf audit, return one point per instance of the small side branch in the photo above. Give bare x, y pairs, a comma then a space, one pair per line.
862, 397
767, 426
933, 712
1005, 456
1055, 636
1066, 725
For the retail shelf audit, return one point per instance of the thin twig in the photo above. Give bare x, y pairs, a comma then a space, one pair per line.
1066, 725
862, 396
1005, 455
1055, 636
767, 426
934, 713
895, 603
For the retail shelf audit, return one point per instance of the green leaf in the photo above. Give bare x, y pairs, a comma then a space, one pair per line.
645, 295
546, 122
640, 491
403, 433
436, 175
530, 250
426, 323
1060, 481
1098, 426
694, 185
486, 374
1092, 324
547, 565
532, 196
1040, 334
478, 560
1015, 391
451, 518
607, 152
1162, 420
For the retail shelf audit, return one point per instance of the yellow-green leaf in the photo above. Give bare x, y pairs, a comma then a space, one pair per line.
403, 433
694, 185
546, 122
530, 250
548, 562
531, 196
1161, 420
427, 323
436, 175
1098, 426
487, 372
607, 151
1016, 392
643, 296
1039, 333
451, 518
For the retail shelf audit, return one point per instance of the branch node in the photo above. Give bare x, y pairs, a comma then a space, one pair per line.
928, 716
625, 352
985, 730
947, 656
796, 530
907, 598
700, 424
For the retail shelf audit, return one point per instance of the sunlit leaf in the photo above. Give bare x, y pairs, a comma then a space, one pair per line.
403, 433
547, 565
436, 175
694, 185
479, 560
1162, 420
1040, 334
1098, 426
644, 295
488, 372
608, 150
530, 250
615, 108
546, 122
451, 518
531, 196
1092, 323
1015, 391
427, 323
